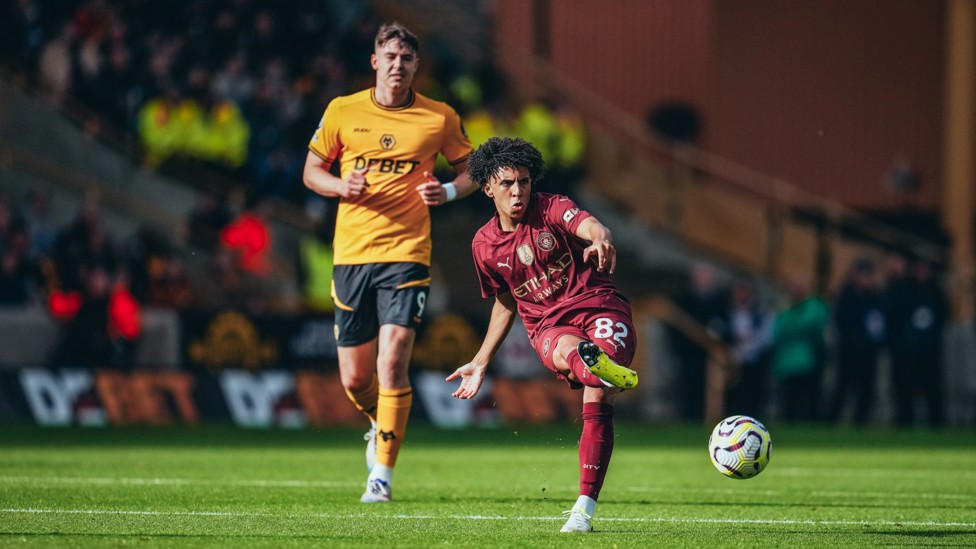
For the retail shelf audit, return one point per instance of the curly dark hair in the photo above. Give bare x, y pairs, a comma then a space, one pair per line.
505, 152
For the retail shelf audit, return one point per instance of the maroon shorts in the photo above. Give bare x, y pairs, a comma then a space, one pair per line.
605, 320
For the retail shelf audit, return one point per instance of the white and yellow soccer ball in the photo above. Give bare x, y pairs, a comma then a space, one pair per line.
740, 447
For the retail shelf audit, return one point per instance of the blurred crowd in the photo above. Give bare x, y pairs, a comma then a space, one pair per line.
815, 359
97, 288
238, 86
225, 94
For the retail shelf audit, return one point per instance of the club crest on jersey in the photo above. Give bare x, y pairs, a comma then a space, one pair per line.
525, 254
387, 141
546, 242
545, 347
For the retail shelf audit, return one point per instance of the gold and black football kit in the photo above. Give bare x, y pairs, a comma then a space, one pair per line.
389, 223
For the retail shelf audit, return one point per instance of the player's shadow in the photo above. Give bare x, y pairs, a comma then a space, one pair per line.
925, 534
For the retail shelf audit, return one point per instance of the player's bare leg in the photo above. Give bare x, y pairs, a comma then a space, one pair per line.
595, 449
357, 371
392, 410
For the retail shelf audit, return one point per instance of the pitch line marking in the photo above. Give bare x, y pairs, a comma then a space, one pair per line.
873, 472
669, 520
109, 481
258, 483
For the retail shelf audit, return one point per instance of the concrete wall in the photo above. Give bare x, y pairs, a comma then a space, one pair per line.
825, 95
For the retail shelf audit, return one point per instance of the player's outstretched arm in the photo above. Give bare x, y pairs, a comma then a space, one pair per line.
318, 179
473, 373
435, 193
601, 244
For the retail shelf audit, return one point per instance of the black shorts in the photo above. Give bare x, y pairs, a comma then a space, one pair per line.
370, 295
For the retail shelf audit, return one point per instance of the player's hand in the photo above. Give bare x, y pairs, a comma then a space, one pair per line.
606, 255
355, 184
471, 377
431, 191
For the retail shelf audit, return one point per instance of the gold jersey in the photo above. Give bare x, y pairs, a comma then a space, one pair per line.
389, 222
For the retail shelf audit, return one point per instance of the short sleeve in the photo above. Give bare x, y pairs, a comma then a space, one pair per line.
561, 211
326, 142
456, 146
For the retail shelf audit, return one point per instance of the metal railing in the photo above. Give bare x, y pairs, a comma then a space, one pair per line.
754, 221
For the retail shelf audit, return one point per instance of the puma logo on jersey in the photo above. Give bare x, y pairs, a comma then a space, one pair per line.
616, 344
506, 264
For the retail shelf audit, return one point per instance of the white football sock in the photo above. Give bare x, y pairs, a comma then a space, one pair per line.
384, 473
586, 504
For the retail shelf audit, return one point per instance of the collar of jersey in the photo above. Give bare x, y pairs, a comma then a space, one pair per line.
372, 97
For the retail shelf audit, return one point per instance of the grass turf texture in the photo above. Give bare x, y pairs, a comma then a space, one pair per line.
220, 486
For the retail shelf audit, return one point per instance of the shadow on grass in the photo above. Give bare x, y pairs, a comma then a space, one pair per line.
560, 434
795, 504
925, 533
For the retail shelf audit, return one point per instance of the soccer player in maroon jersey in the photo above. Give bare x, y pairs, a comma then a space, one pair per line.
543, 258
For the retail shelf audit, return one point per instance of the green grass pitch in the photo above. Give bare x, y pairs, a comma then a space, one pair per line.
221, 486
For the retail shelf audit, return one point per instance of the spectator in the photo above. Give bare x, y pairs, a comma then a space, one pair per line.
23, 33
279, 174
82, 243
56, 65
702, 300
161, 132
102, 323
112, 86
249, 237
315, 267
861, 332
916, 359
537, 124
224, 135
233, 82
172, 287
571, 144
209, 216
224, 285
799, 351
17, 272
40, 225
748, 332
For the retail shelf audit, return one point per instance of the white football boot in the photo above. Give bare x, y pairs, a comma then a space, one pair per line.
578, 521
377, 491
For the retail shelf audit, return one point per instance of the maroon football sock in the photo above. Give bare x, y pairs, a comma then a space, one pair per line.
582, 373
596, 446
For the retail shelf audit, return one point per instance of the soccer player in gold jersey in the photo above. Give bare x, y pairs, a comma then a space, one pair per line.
385, 140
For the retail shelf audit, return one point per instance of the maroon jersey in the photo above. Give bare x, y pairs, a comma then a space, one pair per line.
541, 262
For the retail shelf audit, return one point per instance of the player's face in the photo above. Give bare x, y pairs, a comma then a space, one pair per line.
395, 64
510, 188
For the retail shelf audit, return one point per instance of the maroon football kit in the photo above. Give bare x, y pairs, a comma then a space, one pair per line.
557, 293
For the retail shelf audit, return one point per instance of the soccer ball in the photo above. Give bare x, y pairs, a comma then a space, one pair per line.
740, 447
